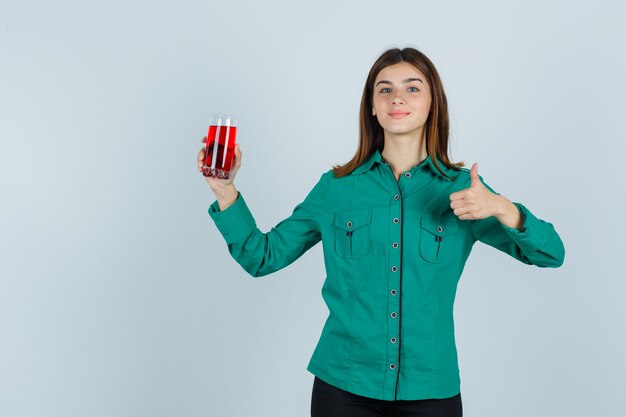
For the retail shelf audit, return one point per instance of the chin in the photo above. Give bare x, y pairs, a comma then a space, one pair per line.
400, 130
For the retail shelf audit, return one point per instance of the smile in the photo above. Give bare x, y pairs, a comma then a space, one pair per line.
398, 115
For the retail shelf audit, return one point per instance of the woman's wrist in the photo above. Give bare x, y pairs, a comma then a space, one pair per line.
226, 195
508, 214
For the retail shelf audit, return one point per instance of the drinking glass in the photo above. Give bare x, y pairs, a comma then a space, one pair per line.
219, 149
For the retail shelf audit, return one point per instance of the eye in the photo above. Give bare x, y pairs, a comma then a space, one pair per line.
383, 90
413, 89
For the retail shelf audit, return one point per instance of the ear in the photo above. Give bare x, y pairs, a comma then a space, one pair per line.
373, 112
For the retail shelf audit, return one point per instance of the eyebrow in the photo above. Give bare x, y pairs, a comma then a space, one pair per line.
408, 80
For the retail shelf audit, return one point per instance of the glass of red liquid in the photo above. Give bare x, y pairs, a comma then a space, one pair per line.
219, 149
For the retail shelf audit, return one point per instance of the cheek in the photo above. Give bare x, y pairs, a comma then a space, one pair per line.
428, 103
424, 106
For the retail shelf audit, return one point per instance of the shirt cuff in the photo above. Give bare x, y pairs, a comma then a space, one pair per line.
235, 222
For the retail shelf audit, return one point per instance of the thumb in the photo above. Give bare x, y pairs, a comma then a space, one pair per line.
474, 175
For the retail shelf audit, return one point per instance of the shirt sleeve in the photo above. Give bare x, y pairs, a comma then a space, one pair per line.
537, 243
263, 253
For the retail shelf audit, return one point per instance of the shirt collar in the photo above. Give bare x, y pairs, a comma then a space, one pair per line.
376, 158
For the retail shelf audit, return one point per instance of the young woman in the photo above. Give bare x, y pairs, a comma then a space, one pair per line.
397, 224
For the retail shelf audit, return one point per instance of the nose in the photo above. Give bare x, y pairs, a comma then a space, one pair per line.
398, 99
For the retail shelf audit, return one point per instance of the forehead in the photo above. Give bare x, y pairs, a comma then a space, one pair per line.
400, 71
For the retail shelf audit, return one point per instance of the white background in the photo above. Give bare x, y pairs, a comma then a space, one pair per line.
117, 293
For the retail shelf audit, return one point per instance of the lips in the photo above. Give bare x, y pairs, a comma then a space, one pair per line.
398, 114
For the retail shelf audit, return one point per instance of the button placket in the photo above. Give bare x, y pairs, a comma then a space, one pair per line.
395, 257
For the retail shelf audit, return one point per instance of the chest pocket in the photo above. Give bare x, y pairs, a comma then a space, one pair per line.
352, 233
439, 240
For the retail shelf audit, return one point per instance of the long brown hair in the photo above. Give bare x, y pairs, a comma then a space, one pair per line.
371, 134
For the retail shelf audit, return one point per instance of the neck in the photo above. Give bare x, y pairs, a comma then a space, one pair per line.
403, 152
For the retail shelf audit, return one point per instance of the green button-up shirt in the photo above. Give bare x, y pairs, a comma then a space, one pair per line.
394, 252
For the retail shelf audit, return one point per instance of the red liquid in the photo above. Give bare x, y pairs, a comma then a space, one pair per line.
219, 151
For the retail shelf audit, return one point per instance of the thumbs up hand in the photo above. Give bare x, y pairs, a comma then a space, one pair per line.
475, 202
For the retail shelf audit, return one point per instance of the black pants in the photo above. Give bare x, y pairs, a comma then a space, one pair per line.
330, 401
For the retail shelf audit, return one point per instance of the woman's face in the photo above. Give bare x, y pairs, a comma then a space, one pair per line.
401, 99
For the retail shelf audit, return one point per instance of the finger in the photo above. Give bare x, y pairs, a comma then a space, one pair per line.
461, 211
203, 140
472, 215
458, 195
474, 175
455, 204
200, 159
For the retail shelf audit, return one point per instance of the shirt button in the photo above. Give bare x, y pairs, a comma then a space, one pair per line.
396, 220
394, 315
394, 269
407, 175
395, 245
394, 292
439, 229
349, 224
392, 366
396, 197
393, 340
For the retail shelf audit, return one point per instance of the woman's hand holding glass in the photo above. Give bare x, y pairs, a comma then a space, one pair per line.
224, 189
